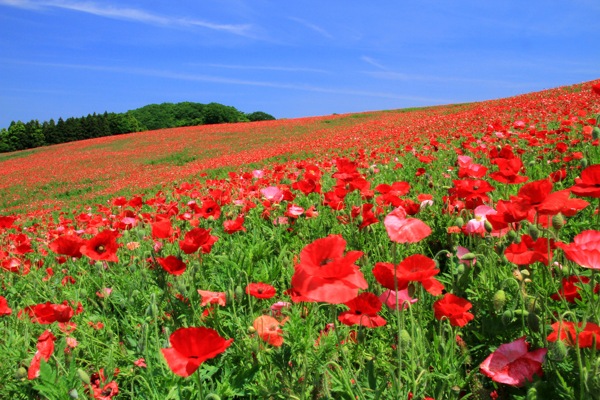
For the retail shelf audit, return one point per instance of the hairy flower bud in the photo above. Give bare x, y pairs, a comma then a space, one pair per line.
558, 221
499, 300
85, 378
595, 133
534, 232
405, 338
507, 317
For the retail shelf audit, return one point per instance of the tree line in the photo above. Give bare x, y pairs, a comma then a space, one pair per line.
21, 135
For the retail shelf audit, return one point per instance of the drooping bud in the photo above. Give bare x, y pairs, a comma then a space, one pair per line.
488, 226
558, 221
558, 350
405, 338
507, 317
511, 235
583, 162
21, 373
533, 321
499, 300
595, 133
459, 221
534, 232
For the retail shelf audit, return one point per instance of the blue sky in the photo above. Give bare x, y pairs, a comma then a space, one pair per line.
64, 58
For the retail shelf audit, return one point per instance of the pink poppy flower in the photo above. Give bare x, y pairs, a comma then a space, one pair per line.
585, 249
272, 193
405, 230
512, 363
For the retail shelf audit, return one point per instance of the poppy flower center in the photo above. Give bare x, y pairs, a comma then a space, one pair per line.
325, 261
100, 249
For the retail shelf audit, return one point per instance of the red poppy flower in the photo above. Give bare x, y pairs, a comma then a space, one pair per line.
269, 330
589, 183
585, 249
363, 311
45, 348
415, 268
67, 245
102, 247
100, 389
197, 238
210, 208
596, 89
472, 190
235, 225
571, 288
162, 229
368, 217
454, 308
405, 230
513, 364
191, 347
529, 251
508, 170
172, 265
209, 297
4, 308
260, 290
47, 313
574, 335
326, 274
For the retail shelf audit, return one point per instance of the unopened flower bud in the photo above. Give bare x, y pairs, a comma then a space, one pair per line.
534, 232
583, 162
507, 317
85, 378
488, 226
468, 256
511, 235
558, 350
499, 300
405, 338
21, 373
558, 221
73, 394
595, 133
459, 221
533, 321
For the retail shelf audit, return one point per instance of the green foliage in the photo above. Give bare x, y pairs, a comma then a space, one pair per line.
259, 116
21, 136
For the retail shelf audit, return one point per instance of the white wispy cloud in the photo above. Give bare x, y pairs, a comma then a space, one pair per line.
129, 14
313, 27
399, 76
374, 63
166, 74
261, 67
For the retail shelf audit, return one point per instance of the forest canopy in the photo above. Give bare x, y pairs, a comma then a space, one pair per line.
21, 136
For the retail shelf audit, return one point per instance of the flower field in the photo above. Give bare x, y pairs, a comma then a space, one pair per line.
449, 252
